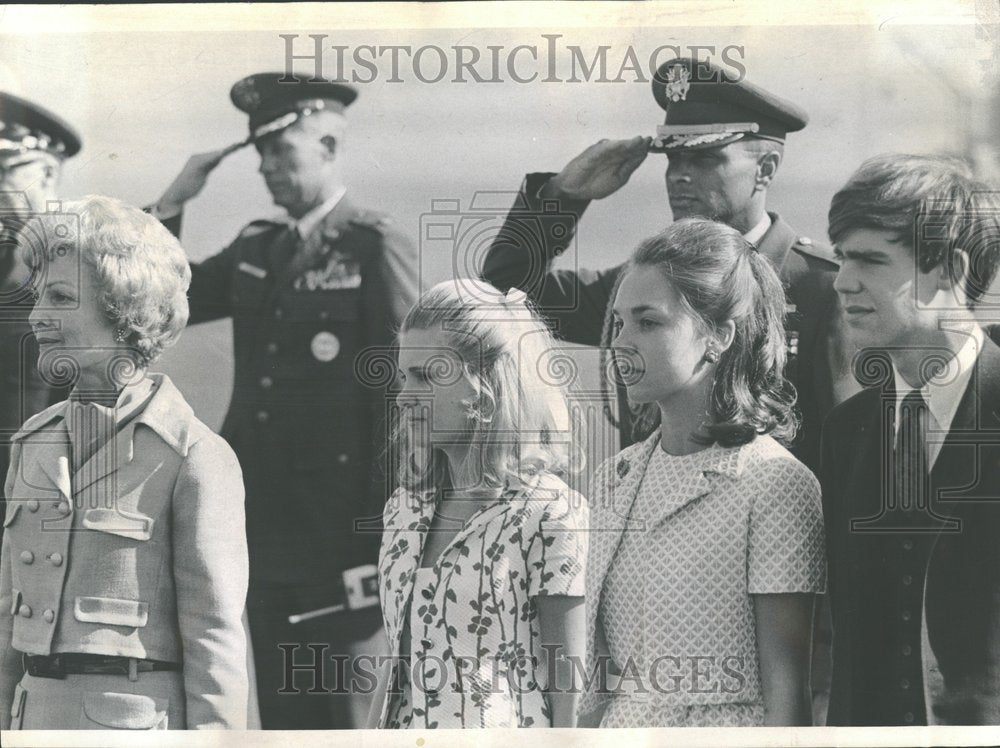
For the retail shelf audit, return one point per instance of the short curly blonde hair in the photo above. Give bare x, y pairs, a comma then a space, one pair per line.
139, 266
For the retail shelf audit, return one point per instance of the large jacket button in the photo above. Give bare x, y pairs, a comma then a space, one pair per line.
263, 416
33, 505
63, 507
56, 559
266, 382
27, 557
49, 615
24, 611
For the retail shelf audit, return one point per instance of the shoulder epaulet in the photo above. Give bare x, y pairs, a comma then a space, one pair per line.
39, 420
260, 226
806, 246
371, 219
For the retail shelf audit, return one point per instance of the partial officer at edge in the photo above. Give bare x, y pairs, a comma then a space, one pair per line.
34, 143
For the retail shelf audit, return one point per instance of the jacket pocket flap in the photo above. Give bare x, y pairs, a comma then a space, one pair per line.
13, 507
111, 611
124, 711
116, 522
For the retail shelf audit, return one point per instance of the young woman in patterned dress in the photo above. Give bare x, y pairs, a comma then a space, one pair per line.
481, 568
700, 586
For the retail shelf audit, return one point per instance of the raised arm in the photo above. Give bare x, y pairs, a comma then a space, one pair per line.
542, 225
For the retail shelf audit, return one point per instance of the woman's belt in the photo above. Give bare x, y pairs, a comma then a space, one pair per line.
69, 663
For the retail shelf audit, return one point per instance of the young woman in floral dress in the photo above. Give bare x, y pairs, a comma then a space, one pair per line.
481, 568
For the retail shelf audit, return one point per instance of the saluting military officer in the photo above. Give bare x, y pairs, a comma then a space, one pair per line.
306, 296
724, 141
33, 145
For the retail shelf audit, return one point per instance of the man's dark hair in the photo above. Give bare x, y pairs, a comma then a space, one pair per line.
932, 205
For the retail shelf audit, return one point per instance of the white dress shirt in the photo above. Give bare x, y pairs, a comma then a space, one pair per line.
943, 392
755, 234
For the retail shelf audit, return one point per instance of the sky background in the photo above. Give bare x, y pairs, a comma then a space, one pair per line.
145, 99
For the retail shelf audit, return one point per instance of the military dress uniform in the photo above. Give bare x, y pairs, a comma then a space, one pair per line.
308, 429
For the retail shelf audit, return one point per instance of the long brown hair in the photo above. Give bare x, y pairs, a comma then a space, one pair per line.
719, 276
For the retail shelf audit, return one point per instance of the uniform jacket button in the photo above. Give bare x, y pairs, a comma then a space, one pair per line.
33, 505
278, 313
266, 382
24, 611
272, 348
49, 615
27, 557
56, 559
343, 458
62, 507
324, 314
263, 416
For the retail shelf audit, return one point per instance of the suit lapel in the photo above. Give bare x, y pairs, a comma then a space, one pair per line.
959, 471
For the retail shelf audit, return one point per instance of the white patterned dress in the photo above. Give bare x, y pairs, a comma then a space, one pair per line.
688, 540
470, 620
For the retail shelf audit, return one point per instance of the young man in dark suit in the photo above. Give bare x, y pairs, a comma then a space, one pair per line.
911, 465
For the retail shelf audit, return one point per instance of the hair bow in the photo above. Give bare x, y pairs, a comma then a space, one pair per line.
515, 296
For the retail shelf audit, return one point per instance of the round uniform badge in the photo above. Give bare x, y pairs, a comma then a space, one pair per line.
325, 346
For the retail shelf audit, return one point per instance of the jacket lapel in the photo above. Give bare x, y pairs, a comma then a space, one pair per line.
958, 471
615, 493
52, 457
108, 459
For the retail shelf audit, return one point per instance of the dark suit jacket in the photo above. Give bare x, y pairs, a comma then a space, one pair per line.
961, 658
574, 301
308, 430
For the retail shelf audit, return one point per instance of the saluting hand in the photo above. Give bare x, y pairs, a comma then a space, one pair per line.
600, 170
192, 178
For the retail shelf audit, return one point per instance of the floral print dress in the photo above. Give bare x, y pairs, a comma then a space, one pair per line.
470, 621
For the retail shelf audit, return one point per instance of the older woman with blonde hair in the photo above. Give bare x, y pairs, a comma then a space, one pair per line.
123, 574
